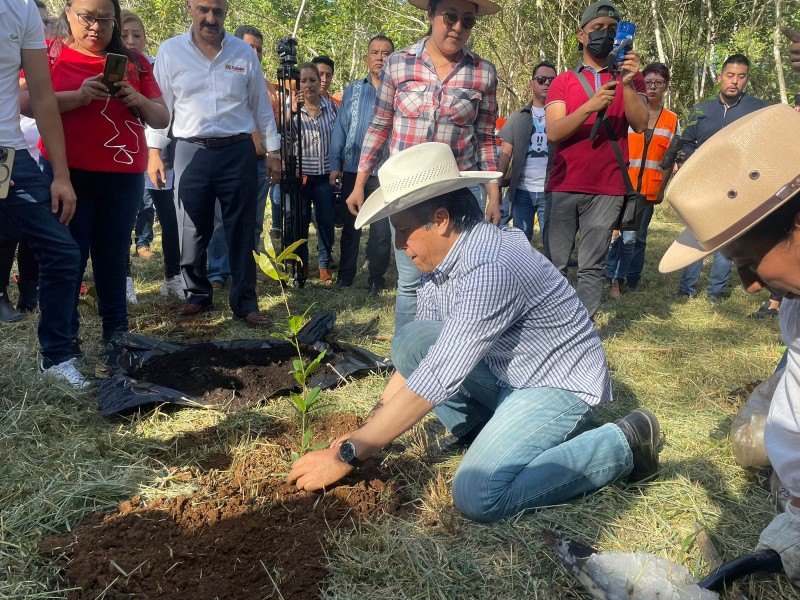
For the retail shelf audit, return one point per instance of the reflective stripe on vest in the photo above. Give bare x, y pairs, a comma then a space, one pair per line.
651, 175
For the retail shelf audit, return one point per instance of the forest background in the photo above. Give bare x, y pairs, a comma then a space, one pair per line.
692, 37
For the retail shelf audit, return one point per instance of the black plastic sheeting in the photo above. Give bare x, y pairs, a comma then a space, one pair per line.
120, 393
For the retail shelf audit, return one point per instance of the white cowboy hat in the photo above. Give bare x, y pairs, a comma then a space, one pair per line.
734, 181
414, 175
484, 7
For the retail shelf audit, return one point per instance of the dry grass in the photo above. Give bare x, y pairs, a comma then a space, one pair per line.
683, 360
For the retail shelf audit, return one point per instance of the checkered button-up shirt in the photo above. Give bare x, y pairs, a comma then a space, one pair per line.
503, 303
414, 106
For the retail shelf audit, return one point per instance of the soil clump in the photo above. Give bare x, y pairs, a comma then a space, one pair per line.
245, 533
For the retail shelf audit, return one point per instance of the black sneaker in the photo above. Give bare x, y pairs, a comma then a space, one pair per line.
764, 311
375, 289
643, 434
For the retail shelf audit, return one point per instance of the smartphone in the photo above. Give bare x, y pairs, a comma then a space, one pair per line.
115, 70
6, 164
623, 40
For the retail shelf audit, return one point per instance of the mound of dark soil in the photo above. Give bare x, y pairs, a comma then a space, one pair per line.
245, 534
239, 377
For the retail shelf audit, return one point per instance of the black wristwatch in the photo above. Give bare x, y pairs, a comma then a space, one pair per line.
347, 453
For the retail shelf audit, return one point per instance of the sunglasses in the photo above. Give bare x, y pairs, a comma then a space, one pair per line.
541, 80
451, 18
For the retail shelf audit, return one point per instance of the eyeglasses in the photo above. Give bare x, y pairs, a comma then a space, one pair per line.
655, 83
541, 80
88, 20
47, 22
451, 18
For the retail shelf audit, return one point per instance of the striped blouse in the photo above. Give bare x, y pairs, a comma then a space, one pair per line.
316, 138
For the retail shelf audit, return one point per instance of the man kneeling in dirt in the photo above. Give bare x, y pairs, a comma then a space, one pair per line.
501, 350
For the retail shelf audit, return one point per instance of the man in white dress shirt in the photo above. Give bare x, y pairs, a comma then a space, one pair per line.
215, 91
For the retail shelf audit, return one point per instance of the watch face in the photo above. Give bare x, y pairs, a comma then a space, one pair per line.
347, 451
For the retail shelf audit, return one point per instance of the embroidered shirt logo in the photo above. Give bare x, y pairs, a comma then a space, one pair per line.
13, 37
234, 68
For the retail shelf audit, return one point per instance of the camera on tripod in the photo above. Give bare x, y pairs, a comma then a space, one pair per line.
287, 50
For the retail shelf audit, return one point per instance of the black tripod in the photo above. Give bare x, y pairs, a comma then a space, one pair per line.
291, 153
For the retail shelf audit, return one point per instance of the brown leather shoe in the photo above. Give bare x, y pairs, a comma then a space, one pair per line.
145, 253
189, 310
254, 319
325, 276
217, 285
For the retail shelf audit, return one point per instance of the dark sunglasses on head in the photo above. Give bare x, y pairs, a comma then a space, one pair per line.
541, 80
451, 18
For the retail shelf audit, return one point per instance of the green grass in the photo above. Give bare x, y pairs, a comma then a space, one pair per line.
59, 460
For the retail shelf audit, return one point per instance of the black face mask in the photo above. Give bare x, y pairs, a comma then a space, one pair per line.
601, 42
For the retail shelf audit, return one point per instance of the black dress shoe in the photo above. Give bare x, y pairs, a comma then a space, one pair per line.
8, 314
28, 296
189, 310
375, 289
643, 435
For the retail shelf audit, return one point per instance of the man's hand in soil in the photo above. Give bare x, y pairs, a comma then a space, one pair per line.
319, 469
398, 409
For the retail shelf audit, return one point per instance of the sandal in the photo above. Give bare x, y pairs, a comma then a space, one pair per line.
325, 276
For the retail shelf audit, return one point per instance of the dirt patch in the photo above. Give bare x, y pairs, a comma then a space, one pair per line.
244, 534
236, 377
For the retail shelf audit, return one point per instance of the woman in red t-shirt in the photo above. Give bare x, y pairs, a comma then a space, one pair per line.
106, 148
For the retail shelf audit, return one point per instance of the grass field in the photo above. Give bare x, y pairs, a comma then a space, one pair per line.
685, 360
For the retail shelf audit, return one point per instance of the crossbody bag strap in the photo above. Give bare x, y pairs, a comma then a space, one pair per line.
611, 136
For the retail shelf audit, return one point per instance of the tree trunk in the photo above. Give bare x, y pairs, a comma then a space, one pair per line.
776, 50
657, 33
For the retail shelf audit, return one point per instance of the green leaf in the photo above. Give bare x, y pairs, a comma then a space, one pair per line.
313, 397
319, 446
298, 365
295, 456
288, 252
268, 266
299, 377
295, 323
314, 364
299, 401
307, 437
295, 443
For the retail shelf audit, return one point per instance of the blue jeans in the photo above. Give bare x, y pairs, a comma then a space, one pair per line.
625, 259
525, 205
261, 202
275, 198
218, 267
143, 229
28, 206
319, 191
408, 274
530, 451
720, 270
104, 217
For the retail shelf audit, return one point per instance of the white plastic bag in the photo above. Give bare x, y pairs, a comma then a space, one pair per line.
747, 430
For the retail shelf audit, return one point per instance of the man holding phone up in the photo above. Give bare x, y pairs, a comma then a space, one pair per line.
39, 209
215, 90
586, 183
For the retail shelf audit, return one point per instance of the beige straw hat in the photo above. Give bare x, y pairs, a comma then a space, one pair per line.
733, 181
485, 7
414, 175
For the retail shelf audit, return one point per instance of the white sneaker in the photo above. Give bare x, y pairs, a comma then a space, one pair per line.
65, 372
130, 293
175, 286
